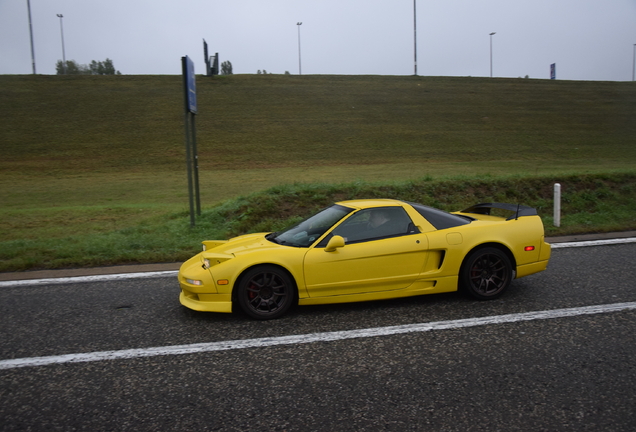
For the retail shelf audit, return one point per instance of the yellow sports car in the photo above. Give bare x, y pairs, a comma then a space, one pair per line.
367, 250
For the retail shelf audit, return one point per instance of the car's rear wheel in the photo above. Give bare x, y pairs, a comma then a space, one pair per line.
266, 292
486, 273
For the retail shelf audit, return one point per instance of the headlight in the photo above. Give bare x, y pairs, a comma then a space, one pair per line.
194, 282
209, 259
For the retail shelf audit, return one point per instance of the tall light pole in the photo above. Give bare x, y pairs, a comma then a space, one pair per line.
491, 53
300, 71
634, 65
60, 16
31, 33
415, 36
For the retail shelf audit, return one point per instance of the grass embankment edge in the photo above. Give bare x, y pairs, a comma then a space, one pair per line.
591, 203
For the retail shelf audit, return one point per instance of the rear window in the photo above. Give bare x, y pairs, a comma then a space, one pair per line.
440, 219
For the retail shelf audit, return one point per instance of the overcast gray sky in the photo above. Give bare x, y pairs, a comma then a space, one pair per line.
587, 39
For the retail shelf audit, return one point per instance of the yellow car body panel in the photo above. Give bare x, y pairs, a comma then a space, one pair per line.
380, 265
424, 261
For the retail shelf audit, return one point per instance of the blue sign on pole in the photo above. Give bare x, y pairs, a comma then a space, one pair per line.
553, 71
190, 99
191, 88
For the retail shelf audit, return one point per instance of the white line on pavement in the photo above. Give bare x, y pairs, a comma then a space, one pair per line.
594, 243
313, 337
95, 278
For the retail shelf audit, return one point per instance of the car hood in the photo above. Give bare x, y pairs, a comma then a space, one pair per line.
242, 245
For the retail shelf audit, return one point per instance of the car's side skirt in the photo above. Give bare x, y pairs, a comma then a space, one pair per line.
441, 285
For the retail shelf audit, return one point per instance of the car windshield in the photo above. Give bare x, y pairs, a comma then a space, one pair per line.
309, 230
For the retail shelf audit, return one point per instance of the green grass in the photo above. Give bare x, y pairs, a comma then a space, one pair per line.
592, 202
92, 169
133, 124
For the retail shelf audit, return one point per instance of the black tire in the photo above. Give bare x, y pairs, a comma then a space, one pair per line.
266, 292
486, 273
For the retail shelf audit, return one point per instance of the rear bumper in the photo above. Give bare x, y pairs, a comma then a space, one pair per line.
528, 269
545, 251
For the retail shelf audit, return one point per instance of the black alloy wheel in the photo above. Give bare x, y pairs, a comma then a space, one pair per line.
266, 292
486, 273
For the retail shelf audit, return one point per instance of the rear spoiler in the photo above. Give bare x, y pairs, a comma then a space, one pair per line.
517, 209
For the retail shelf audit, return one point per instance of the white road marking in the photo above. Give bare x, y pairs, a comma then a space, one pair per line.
96, 278
313, 337
594, 243
171, 273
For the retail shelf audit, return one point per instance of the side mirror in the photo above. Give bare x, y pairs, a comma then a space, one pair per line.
334, 243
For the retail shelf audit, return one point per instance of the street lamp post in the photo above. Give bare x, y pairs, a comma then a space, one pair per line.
31, 34
491, 53
60, 16
634, 65
415, 37
299, 64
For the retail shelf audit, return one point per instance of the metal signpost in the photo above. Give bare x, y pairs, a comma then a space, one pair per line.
211, 63
192, 158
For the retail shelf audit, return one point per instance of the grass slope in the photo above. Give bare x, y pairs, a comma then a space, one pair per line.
86, 160
598, 202
101, 124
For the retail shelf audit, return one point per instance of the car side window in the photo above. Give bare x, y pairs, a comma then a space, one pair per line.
376, 223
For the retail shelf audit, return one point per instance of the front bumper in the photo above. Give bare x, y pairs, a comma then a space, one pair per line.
206, 302
202, 296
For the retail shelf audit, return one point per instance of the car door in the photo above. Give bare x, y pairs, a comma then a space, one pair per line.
388, 256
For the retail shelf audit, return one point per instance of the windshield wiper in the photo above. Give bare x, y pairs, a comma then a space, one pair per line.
272, 237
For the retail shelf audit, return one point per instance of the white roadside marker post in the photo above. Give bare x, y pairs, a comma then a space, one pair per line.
557, 205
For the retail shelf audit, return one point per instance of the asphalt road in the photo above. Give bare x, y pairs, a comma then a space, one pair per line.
575, 373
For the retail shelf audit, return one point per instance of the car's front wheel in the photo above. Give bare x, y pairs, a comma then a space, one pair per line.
266, 292
486, 273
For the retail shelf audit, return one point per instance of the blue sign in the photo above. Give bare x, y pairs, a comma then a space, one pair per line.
553, 71
191, 88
